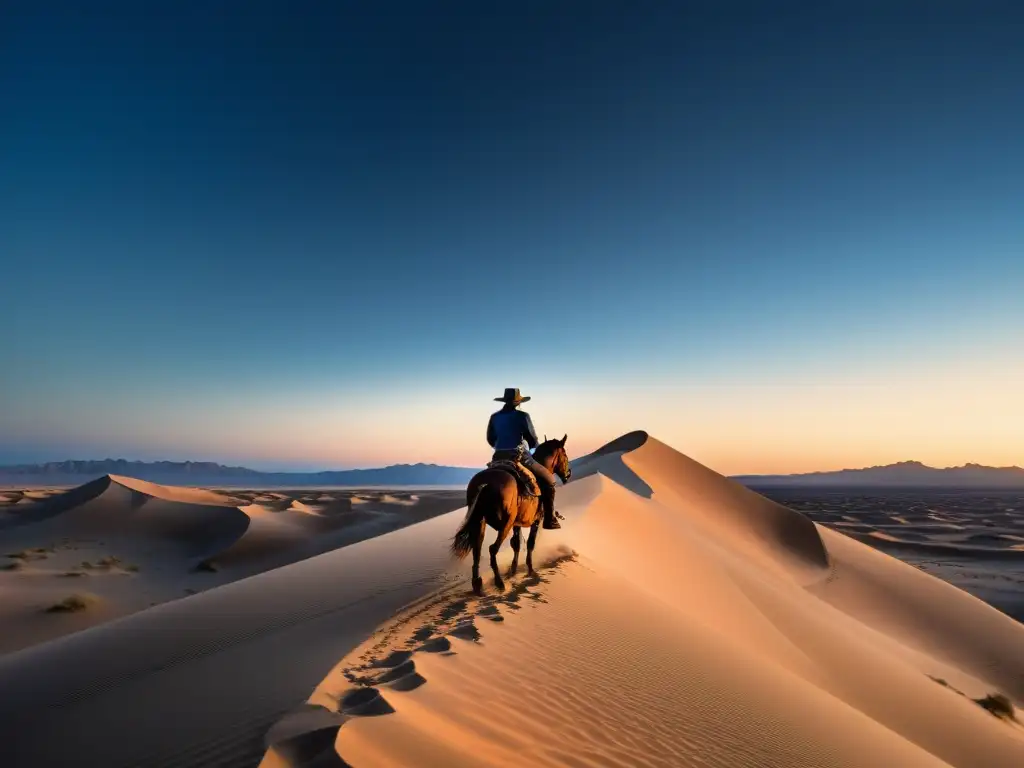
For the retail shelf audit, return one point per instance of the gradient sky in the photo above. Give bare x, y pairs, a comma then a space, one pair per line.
778, 236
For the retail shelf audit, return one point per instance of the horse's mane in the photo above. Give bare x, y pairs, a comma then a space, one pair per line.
546, 449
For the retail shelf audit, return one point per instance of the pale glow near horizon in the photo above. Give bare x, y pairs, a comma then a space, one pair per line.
734, 430
945, 413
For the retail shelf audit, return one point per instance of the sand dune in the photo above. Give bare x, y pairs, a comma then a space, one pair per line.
127, 544
972, 547
970, 538
679, 620
699, 624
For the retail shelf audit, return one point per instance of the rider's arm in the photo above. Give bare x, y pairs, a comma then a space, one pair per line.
491, 437
528, 431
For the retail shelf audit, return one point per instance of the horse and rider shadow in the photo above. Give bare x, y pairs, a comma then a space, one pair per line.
515, 491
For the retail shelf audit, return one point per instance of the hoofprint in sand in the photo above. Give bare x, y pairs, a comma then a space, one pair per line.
698, 625
71, 559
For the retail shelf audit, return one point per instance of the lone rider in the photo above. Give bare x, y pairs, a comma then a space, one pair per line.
510, 433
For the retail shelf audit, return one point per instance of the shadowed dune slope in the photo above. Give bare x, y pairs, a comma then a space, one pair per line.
132, 545
198, 524
742, 519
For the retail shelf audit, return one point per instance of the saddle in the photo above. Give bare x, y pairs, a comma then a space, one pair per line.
526, 480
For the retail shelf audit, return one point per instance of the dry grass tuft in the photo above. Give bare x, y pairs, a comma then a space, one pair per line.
72, 604
35, 553
999, 705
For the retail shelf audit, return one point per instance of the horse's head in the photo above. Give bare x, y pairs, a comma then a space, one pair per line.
559, 459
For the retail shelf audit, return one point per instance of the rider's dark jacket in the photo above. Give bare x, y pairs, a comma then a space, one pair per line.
510, 429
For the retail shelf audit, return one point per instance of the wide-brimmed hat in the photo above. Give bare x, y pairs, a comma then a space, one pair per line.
512, 396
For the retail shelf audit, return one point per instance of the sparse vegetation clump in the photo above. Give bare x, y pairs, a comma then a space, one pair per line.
71, 604
207, 566
17, 565
34, 553
945, 684
109, 563
998, 705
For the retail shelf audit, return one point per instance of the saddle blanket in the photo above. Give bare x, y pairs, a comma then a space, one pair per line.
527, 480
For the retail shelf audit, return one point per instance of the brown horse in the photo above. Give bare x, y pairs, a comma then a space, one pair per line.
494, 499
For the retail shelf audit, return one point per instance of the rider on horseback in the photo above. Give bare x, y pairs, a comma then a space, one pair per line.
510, 433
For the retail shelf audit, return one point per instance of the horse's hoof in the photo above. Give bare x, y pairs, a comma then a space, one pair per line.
511, 572
499, 585
478, 586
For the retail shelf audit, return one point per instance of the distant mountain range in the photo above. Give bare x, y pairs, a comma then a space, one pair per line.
904, 473
210, 473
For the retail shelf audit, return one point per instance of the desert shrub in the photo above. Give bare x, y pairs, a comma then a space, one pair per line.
71, 604
28, 554
999, 705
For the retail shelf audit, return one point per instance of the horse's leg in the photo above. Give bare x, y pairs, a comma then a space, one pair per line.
503, 533
514, 541
478, 545
530, 542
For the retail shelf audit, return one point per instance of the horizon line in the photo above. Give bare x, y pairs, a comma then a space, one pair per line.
467, 468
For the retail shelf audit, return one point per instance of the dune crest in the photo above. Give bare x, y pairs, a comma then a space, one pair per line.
175, 493
739, 518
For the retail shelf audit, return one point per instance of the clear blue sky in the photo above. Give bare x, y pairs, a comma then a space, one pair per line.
326, 234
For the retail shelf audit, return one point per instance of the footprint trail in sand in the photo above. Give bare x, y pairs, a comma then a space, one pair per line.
372, 677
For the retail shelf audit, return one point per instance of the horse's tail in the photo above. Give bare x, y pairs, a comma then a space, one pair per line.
465, 537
